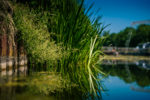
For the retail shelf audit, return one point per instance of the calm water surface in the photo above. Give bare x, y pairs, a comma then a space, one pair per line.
125, 81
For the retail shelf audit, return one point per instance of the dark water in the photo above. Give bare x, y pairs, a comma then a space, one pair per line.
125, 81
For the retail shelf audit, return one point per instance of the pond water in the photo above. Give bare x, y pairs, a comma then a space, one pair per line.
128, 81
125, 81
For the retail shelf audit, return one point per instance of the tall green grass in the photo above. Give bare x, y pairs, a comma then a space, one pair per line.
75, 31
60, 31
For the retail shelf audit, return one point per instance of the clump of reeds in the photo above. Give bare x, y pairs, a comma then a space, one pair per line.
65, 23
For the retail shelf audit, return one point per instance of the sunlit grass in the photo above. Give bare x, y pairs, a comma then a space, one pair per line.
126, 57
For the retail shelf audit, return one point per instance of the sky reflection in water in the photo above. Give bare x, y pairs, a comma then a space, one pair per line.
135, 85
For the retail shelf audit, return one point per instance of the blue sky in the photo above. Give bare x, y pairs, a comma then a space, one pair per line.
121, 13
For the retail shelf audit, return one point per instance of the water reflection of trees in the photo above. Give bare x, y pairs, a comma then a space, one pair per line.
137, 74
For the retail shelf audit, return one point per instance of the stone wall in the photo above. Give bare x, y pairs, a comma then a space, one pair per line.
12, 52
7, 30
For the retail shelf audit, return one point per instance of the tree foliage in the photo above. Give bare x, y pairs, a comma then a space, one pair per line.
139, 35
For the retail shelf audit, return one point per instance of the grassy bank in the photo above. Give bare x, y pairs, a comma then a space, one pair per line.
126, 57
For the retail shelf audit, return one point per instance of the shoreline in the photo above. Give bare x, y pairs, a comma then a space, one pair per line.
125, 57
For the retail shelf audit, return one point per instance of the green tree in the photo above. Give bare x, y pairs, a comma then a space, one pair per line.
141, 35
